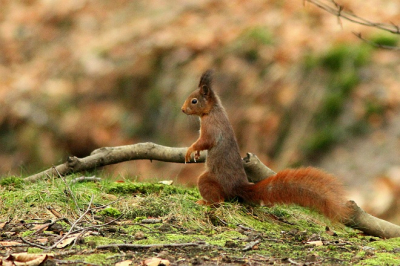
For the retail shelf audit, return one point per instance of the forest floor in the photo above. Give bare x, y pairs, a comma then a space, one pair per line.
299, 87
122, 222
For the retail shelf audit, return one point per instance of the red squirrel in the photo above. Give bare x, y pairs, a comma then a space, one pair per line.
225, 177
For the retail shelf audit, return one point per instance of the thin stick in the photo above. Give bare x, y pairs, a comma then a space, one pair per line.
69, 189
251, 245
86, 178
74, 224
99, 225
67, 234
339, 11
133, 246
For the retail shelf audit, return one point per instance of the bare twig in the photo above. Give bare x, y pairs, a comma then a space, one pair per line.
358, 35
151, 221
33, 244
86, 178
69, 190
245, 227
99, 225
338, 10
251, 245
67, 234
133, 246
74, 224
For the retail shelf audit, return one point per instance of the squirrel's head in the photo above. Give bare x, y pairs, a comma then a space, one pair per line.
201, 101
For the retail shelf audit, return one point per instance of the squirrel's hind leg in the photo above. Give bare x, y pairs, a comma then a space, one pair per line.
210, 190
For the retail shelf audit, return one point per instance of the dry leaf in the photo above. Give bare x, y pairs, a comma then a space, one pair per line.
43, 240
71, 239
22, 259
9, 243
316, 243
40, 226
109, 197
124, 263
155, 262
54, 212
166, 182
67, 241
3, 224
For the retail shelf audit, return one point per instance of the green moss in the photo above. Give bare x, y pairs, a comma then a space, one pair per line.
279, 211
99, 240
27, 233
221, 239
11, 181
32, 250
387, 245
139, 219
145, 188
382, 259
283, 230
110, 211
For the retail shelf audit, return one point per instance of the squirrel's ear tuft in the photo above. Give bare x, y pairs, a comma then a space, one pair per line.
205, 90
205, 83
206, 79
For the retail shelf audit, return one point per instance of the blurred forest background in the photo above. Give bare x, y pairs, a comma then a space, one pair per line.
300, 88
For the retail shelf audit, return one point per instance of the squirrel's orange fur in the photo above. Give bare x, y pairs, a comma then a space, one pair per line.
225, 177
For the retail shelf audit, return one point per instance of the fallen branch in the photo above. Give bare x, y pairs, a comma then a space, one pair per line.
371, 225
359, 219
134, 246
255, 170
140, 151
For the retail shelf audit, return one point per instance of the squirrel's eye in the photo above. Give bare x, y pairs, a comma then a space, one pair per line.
194, 101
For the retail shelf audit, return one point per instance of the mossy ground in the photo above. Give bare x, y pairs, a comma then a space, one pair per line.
160, 214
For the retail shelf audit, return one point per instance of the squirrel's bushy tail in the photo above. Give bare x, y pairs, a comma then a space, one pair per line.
307, 187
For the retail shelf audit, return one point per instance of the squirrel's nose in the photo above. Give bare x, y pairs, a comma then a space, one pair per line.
183, 110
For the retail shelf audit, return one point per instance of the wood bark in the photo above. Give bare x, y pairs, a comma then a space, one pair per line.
142, 151
369, 224
255, 170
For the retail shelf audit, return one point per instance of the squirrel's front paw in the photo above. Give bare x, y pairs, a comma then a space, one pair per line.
197, 155
188, 154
